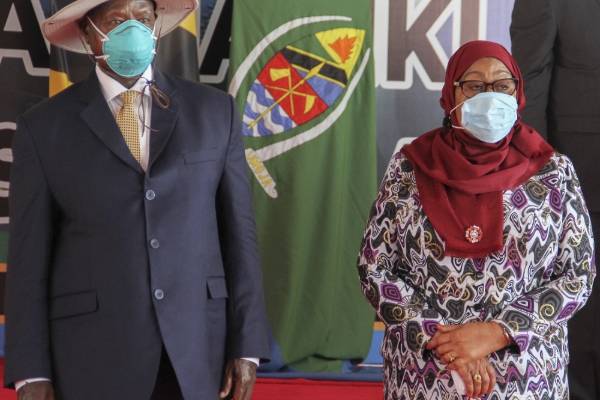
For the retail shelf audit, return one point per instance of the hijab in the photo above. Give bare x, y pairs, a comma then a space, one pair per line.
460, 178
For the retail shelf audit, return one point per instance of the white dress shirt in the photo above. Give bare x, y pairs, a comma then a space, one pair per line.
111, 89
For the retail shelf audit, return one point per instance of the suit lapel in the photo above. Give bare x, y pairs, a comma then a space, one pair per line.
163, 120
100, 120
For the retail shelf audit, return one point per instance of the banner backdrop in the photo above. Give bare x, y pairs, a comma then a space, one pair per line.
302, 75
24, 62
413, 39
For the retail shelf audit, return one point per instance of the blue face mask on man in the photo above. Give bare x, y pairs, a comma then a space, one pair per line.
488, 116
129, 48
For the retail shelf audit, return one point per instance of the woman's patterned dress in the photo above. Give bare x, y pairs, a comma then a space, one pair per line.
541, 278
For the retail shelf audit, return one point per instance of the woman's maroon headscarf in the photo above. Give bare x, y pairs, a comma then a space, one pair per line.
460, 178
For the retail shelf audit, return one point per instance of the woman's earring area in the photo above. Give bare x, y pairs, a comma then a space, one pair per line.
458, 116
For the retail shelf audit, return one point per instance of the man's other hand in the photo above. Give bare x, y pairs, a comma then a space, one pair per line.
42, 390
239, 377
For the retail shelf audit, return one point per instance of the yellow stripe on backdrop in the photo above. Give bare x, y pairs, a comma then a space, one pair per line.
178, 51
58, 82
189, 24
379, 326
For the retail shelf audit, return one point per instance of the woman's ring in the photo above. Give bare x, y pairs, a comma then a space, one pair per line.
450, 357
477, 378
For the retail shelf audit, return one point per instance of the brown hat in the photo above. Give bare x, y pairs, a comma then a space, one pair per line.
62, 29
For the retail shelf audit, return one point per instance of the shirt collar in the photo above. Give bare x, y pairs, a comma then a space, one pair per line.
111, 88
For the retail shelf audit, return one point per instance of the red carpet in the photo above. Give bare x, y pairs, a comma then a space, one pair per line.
5, 394
304, 389
287, 389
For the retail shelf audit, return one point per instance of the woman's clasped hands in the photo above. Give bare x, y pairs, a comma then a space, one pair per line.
464, 348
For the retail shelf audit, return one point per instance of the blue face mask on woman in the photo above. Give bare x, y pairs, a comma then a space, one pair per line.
129, 48
488, 116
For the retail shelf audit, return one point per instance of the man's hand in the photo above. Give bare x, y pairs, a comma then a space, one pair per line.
239, 376
42, 390
471, 341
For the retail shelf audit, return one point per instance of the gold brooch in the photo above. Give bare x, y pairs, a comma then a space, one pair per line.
474, 234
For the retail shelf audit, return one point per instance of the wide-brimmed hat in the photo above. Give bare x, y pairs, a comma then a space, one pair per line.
62, 29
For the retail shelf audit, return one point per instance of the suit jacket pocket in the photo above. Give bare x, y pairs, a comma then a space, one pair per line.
73, 304
200, 156
217, 287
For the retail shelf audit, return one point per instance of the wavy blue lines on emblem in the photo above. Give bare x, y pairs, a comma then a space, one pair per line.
273, 122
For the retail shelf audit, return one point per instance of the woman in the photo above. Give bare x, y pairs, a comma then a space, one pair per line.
478, 248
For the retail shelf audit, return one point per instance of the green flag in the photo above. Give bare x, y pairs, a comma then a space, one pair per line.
302, 74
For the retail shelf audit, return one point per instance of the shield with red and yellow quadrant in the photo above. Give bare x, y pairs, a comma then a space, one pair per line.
298, 85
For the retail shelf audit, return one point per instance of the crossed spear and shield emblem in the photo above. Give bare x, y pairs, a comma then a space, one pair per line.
295, 87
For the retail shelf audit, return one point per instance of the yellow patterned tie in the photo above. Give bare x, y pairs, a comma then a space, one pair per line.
127, 119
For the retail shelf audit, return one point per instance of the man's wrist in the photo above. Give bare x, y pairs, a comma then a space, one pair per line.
20, 384
252, 359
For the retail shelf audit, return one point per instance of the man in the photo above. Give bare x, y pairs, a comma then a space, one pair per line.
556, 43
133, 261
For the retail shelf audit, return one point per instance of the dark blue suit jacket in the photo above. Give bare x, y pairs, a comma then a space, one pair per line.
107, 262
556, 44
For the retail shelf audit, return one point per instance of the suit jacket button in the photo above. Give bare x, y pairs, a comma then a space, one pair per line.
159, 294
479, 275
150, 195
154, 244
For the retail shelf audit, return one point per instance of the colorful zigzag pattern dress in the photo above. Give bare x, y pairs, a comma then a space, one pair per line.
532, 288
